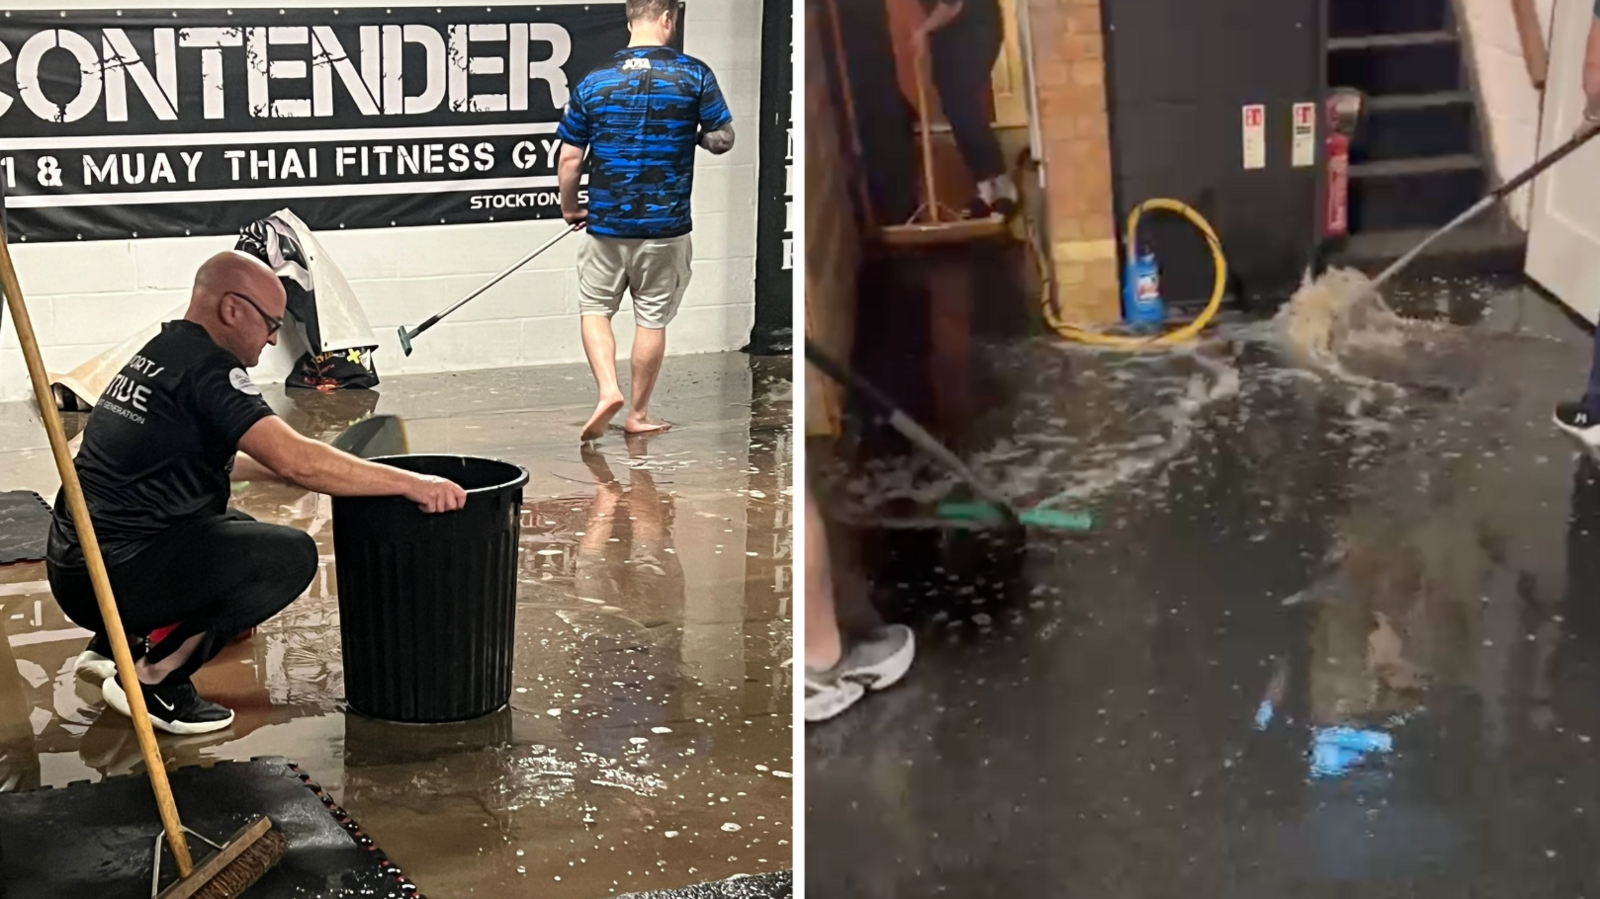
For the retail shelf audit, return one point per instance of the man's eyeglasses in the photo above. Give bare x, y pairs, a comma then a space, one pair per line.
273, 324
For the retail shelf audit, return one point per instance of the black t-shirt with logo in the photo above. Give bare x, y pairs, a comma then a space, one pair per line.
159, 446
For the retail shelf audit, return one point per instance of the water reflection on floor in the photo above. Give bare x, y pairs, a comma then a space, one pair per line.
647, 744
1327, 639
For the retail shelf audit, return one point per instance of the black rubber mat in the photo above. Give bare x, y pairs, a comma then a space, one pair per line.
94, 840
24, 526
760, 886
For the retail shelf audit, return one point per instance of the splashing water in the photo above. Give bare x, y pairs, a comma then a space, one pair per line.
1132, 416
1338, 324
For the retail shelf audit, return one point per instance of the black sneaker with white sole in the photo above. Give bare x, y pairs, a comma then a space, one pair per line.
1578, 421
174, 707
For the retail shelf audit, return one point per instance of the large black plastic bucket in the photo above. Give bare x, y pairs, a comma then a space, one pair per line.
428, 603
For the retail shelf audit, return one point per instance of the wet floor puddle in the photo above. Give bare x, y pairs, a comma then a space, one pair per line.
647, 741
1326, 636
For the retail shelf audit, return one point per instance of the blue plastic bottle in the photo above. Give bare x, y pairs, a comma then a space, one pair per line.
1141, 295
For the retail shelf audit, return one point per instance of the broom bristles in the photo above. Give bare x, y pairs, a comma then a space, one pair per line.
242, 873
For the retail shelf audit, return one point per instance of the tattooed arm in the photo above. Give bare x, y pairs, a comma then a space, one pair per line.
716, 122
719, 141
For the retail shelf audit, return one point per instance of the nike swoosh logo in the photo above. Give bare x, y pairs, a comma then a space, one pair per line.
166, 705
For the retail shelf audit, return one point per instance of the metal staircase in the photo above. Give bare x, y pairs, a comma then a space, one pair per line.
1420, 158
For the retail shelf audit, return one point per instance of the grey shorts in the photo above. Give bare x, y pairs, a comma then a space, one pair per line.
655, 272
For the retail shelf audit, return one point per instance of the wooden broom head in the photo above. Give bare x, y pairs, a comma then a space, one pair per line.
922, 234
242, 861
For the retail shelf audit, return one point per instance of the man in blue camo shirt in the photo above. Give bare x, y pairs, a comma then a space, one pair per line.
641, 114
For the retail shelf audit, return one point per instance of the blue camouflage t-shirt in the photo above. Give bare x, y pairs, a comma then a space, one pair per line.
642, 114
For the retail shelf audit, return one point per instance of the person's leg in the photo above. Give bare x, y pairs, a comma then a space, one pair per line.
214, 580
602, 276
1591, 395
964, 54
827, 693
600, 346
823, 643
840, 671
74, 593
649, 348
217, 578
659, 274
1582, 419
883, 119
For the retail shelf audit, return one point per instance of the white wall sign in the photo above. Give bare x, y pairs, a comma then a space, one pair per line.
1305, 135
1255, 136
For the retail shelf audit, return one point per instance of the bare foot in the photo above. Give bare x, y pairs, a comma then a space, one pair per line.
640, 423
596, 426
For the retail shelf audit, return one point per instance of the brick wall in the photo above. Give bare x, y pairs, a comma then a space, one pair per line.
1067, 45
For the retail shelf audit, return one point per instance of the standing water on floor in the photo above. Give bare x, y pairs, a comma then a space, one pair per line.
1340, 325
647, 743
1332, 636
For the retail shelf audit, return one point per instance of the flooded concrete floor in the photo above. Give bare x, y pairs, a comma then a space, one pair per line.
1327, 639
648, 741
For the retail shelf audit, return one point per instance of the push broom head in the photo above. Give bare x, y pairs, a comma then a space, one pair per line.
241, 861
1049, 519
921, 234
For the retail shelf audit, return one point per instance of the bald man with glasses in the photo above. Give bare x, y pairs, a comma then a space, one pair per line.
174, 427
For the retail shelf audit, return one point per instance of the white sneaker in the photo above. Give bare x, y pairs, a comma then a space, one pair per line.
999, 194
827, 695
879, 661
93, 666
875, 663
95, 662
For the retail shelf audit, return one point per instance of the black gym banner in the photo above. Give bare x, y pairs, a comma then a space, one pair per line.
160, 123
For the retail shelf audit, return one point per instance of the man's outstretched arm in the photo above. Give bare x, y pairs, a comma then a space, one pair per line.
719, 141
248, 469
273, 445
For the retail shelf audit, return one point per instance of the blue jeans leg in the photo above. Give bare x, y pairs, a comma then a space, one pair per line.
1591, 396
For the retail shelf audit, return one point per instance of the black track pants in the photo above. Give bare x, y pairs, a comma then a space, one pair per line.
217, 576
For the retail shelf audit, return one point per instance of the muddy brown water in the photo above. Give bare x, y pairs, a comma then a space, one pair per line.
647, 744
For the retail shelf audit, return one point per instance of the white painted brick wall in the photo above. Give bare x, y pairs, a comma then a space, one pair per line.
86, 298
1509, 98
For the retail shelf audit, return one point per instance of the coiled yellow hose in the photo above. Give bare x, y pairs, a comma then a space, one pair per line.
1178, 335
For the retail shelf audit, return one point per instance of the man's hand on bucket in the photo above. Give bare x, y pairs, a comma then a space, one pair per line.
436, 494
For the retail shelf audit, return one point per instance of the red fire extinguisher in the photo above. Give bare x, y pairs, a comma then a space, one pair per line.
1343, 109
1336, 221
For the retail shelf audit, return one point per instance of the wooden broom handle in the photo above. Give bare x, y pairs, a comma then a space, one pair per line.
926, 132
97, 565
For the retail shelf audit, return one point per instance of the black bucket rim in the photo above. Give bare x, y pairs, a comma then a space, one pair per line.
520, 481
